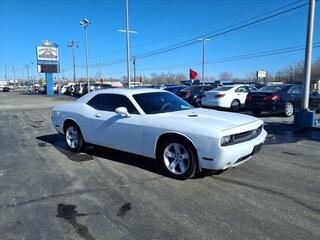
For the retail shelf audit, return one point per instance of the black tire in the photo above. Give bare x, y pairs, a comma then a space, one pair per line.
78, 145
235, 105
256, 112
288, 109
190, 165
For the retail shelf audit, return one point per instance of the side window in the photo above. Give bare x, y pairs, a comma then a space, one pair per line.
295, 90
242, 89
95, 102
109, 102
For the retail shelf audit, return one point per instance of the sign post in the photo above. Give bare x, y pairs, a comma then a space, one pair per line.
49, 83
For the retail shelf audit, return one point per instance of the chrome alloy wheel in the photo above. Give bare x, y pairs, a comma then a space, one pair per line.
289, 109
72, 137
176, 158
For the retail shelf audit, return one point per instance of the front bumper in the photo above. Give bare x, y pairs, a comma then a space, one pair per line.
233, 155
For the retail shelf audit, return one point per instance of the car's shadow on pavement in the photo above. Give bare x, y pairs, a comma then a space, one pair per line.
148, 164
57, 140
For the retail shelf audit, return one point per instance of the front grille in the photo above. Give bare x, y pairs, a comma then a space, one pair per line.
247, 136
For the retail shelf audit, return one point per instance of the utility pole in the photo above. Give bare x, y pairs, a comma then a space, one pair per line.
14, 74
73, 44
128, 44
27, 67
203, 56
134, 71
100, 73
5, 73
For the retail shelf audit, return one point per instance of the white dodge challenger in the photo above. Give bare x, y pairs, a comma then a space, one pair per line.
158, 124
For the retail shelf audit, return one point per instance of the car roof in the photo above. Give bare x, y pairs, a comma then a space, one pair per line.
122, 91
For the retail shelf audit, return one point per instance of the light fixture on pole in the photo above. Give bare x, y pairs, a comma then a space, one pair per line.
85, 23
203, 56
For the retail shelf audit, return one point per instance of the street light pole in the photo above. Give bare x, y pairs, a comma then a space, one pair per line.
203, 57
85, 23
86, 42
306, 118
308, 56
128, 44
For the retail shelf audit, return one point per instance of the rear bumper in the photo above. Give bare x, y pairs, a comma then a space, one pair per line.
267, 107
214, 103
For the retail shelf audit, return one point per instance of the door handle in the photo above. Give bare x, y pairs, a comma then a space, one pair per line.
97, 115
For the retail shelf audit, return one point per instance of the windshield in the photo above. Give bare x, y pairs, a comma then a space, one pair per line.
274, 88
160, 102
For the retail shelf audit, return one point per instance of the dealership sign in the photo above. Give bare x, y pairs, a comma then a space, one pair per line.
261, 74
47, 53
48, 57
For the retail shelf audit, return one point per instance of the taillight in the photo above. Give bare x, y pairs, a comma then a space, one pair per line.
248, 98
272, 98
188, 94
220, 95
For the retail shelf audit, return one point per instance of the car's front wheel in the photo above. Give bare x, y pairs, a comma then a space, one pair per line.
178, 158
73, 137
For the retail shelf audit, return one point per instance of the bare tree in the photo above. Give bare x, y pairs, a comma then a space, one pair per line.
225, 76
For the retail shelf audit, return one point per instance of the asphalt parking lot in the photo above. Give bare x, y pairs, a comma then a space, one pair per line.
47, 192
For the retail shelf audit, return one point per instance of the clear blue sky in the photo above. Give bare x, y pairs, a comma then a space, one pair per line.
159, 23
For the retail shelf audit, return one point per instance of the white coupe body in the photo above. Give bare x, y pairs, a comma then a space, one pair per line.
139, 133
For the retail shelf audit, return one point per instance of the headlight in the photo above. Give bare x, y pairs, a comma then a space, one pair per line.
226, 140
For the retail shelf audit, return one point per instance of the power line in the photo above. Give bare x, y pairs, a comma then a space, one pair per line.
236, 58
210, 35
217, 33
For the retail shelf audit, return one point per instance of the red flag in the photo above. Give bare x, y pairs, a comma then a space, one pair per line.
193, 74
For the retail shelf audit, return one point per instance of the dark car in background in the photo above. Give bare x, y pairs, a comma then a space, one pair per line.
314, 101
5, 89
281, 98
174, 89
193, 94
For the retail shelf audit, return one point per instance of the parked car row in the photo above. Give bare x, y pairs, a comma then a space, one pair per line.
279, 99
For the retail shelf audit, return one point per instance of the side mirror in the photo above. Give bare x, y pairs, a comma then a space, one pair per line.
122, 111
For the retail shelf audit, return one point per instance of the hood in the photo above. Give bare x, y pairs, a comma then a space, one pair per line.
218, 120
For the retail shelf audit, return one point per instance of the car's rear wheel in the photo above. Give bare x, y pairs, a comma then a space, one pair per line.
73, 137
289, 109
177, 158
235, 105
